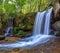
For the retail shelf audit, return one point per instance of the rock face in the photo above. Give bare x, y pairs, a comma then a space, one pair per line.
56, 28
55, 20
56, 8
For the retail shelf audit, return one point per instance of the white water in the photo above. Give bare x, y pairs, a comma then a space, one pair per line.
38, 23
8, 33
36, 38
27, 43
47, 22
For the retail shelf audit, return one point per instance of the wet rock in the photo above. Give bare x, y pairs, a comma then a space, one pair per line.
11, 39
58, 33
10, 21
56, 26
2, 37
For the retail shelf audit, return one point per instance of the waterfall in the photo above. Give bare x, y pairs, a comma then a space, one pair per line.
42, 22
9, 31
47, 22
38, 23
40, 33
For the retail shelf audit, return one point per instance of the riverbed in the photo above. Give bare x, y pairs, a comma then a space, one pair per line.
52, 46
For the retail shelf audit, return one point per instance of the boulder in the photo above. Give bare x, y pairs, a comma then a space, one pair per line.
56, 26
2, 37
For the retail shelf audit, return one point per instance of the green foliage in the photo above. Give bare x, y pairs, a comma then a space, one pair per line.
14, 29
21, 32
23, 6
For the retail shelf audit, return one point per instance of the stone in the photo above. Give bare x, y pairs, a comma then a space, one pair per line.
56, 8
2, 37
11, 39
56, 26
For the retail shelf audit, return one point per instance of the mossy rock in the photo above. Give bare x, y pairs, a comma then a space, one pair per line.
25, 21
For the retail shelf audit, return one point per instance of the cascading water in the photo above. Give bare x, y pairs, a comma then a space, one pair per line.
9, 31
47, 22
42, 23
38, 23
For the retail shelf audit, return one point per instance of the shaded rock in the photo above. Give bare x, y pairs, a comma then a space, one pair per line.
56, 8
25, 21
56, 26
0, 25
10, 40
23, 36
10, 21
2, 37
58, 33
